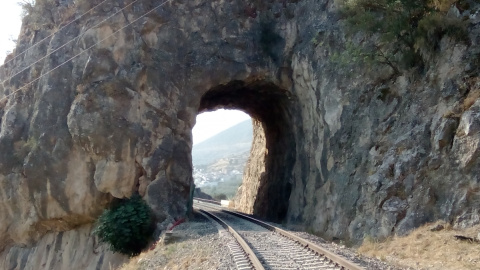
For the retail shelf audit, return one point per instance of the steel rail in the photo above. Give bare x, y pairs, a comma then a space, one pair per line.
318, 249
346, 264
251, 255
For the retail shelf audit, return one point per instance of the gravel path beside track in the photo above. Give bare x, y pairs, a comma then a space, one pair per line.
195, 245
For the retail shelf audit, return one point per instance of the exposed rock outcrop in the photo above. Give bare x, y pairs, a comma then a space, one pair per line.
63, 250
344, 152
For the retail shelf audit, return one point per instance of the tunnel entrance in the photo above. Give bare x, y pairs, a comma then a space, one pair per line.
222, 140
266, 185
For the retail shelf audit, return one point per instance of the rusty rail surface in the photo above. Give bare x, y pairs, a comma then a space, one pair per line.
337, 259
250, 254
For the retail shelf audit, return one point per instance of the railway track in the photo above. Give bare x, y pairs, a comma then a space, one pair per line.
268, 247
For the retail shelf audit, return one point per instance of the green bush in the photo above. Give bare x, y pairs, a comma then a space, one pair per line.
127, 227
400, 33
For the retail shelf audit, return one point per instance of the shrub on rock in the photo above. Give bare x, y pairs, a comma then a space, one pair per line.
127, 226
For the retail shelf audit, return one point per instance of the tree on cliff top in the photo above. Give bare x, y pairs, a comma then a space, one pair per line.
400, 33
27, 6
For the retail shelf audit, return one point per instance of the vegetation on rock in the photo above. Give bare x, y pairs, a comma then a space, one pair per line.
127, 227
225, 190
399, 33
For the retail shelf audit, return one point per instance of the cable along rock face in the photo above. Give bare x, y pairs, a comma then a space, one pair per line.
347, 152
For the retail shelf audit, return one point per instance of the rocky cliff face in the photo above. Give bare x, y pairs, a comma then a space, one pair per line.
344, 152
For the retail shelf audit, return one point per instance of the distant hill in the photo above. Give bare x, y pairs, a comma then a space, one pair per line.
233, 141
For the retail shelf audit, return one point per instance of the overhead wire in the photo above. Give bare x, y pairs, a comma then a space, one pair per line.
49, 36
82, 52
65, 44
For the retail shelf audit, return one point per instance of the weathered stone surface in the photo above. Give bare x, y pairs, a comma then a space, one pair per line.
347, 153
247, 192
394, 204
63, 250
466, 145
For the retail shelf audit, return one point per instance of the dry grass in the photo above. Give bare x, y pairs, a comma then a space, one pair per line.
443, 5
173, 256
473, 84
424, 249
471, 99
133, 264
194, 245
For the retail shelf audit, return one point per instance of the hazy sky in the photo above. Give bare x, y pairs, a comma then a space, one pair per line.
208, 124
211, 123
10, 23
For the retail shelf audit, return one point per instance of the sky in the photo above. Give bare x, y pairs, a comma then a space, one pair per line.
211, 123
10, 23
208, 124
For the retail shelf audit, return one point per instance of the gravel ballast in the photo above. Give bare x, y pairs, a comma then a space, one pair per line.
198, 244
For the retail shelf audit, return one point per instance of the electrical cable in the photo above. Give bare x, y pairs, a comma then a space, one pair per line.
65, 44
80, 53
49, 36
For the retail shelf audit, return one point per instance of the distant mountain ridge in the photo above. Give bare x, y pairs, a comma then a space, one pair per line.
233, 141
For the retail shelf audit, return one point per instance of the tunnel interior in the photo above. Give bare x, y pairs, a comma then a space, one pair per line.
271, 110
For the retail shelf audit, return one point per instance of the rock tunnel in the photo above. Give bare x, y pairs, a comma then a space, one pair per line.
266, 185
328, 154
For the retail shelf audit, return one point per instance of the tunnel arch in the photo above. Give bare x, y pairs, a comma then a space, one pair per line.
266, 185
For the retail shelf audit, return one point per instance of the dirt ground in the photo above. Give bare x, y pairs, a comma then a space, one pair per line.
428, 248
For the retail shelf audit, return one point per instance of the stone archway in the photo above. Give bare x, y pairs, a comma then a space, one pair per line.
364, 154
266, 188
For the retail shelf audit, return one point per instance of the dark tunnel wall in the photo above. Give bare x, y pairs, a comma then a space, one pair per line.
271, 106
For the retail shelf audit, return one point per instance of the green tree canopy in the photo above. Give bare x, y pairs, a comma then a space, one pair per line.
401, 33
